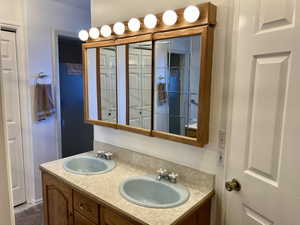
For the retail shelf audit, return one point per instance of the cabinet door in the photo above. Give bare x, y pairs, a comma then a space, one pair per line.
57, 202
112, 218
81, 220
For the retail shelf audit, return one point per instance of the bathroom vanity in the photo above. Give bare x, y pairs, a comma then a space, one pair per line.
154, 81
77, 199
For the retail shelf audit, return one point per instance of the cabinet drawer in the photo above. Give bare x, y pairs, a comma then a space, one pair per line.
112, 218
86, 207
80, 220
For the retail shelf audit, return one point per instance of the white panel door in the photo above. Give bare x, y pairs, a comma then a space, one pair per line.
140, 78
108, 84
265, 133
10, 91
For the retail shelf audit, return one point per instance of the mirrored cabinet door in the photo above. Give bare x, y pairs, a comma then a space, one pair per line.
91, 84
101, 84
139, 76
176, 87
107, 84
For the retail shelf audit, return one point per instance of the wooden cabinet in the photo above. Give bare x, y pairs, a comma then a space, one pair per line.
86, 207
65, 206
112, 218
81, 220
58, 209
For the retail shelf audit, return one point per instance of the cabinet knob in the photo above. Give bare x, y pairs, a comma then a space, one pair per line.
81, 206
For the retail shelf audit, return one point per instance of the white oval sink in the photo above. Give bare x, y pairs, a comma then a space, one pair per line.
149, 192
88, 165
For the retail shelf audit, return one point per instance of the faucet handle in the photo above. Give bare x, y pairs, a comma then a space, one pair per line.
162, 172
99, 153
173, 177
108, 155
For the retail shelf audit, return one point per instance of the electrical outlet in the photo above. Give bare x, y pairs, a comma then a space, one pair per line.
222, 138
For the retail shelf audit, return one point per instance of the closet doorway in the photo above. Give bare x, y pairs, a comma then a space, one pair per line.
12, 113
76, 136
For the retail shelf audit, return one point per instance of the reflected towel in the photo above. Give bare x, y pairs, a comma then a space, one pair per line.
44, 101
162, 95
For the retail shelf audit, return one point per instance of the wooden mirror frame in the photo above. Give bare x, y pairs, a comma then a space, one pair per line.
204, 27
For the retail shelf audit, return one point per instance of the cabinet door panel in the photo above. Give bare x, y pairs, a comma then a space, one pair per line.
80, 220
112, 218
57, 202
86, 207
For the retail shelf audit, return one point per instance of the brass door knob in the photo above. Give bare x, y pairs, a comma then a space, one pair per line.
233, 185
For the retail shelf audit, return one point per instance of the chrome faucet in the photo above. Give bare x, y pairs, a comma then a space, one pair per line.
166, 175
104, 155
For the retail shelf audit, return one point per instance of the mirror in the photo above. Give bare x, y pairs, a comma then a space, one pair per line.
122, 95
176, 87
102, 77
92, 84
108, 85
139, 83
157, 85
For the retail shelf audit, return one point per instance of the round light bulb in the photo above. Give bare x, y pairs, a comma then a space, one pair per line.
169, 17
191, 13
105, 31
119, 28
94, 32
83, 35
134, 25
150, 21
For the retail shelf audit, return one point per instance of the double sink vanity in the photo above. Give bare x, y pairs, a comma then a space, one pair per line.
124, 188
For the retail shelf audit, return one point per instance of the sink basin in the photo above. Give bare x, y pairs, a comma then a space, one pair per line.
149, 192
88, 165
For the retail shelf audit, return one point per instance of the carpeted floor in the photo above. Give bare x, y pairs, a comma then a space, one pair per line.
32, 215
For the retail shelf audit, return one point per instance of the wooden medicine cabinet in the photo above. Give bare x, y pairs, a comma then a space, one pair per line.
155, 82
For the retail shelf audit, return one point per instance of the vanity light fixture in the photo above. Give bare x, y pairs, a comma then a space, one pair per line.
150, 21
119, 28
191, 13
169, 17
134, 25
94, 32
105, 31
83, 35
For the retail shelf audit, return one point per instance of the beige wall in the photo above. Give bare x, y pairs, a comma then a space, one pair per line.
110, 11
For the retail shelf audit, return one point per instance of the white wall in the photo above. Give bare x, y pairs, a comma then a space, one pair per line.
206, 159
43, 18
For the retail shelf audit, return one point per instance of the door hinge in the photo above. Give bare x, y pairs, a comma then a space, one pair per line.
222, 138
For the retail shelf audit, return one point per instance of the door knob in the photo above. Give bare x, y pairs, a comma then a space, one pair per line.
233, 185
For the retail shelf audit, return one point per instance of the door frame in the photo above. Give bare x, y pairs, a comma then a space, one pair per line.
26, 126
25, 109
230, 70
56, 82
